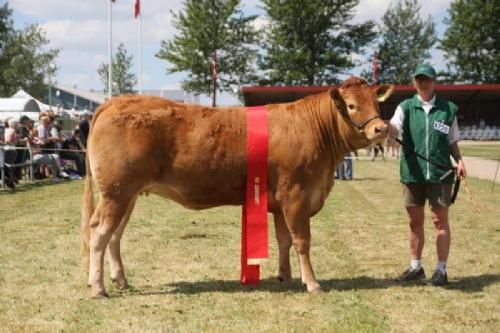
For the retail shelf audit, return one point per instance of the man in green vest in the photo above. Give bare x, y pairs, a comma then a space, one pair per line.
428, 127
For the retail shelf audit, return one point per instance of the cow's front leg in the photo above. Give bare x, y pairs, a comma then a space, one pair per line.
284, 244
298, 222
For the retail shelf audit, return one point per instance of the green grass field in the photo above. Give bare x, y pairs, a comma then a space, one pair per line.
488, 151
184, 267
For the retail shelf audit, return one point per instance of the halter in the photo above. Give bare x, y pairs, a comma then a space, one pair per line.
359, 126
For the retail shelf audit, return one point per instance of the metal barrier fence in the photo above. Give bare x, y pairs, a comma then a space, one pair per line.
27, 163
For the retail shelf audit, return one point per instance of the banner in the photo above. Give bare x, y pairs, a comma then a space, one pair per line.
254, 240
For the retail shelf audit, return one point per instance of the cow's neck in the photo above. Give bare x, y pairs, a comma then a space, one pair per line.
333, 132
339, 137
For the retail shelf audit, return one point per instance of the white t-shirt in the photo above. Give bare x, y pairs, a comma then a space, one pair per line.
398, 119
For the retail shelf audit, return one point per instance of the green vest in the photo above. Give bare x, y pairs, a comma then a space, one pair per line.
427, 134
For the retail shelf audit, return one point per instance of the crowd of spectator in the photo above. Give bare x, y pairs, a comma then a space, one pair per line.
54, 153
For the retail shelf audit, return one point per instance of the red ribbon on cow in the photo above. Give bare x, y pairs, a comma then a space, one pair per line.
254, 238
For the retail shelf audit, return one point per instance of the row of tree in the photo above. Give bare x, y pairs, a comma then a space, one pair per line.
25, 60
312, 42
300, 42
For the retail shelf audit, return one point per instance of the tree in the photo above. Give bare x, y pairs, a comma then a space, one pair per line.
405, 42
311, 42
24, 59
123, 80
471, 42
214, 37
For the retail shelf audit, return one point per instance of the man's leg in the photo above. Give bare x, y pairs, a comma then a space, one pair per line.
443, 237
439, 200
348, 167
416, 236
414, 197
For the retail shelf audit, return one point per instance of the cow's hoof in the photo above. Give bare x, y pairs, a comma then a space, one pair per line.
316, 291
313, 288
100, 295
120, 284
284, 279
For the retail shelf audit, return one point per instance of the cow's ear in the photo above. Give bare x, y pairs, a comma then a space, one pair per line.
384, 91
338, 100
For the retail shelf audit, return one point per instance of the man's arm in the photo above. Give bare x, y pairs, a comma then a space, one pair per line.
396, 123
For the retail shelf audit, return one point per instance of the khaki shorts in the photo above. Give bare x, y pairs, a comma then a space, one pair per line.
439, 195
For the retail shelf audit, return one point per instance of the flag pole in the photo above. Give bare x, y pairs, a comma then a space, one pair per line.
110, 54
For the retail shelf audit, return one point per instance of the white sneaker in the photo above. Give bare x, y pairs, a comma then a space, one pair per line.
63, 174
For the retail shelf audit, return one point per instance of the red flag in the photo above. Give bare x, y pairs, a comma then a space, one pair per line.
137, 8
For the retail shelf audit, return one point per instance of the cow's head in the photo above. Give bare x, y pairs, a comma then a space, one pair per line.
357, 104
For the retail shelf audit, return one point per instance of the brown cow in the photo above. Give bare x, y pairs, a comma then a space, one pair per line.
197, 157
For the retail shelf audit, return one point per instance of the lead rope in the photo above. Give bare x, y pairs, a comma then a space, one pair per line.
467, 189
441, 166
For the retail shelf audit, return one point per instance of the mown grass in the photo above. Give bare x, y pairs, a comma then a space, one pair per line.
488, 151
184, 267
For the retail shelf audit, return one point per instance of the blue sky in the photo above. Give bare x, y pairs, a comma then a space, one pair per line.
80, 29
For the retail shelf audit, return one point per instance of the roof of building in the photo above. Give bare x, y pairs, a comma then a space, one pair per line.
95, 96
460, 93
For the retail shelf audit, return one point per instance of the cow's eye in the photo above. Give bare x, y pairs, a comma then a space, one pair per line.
352, 106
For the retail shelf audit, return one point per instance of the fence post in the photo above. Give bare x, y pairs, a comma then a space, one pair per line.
2, 166
32, 171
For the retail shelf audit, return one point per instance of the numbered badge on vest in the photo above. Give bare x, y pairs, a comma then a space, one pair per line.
441, 127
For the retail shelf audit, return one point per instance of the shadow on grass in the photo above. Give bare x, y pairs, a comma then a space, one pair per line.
473, 284
466, 284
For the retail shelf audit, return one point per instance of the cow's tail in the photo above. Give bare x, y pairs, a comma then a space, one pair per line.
88, 205
88, 208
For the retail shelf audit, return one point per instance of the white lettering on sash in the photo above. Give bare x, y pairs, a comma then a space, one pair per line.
256, 191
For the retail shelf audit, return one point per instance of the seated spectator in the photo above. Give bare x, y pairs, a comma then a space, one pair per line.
10, 152
2, 132
23, 139
72, 150
46, 154
56, 134
84, 126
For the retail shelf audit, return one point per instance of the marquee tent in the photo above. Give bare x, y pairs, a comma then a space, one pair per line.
23, 94
17, 107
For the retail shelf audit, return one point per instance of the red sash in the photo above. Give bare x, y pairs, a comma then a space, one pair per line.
254, 238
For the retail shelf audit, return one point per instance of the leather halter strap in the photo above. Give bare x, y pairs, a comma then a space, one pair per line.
358, 125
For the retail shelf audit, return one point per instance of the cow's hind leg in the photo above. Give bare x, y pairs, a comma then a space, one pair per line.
284, 244
299, 225
102, 225
116, 270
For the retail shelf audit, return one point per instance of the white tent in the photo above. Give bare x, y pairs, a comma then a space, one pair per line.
23, 94
17, 107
